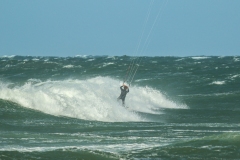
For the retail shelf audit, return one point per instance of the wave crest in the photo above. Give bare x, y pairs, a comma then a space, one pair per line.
91, 99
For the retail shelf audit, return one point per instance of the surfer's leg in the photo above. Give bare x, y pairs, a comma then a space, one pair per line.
118, 98
123, 102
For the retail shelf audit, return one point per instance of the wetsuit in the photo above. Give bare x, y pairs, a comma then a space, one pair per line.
123, 94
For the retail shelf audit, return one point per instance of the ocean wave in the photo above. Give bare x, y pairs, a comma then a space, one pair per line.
233, 77
198, 58
218, 82
236, 59
72, 66
107, 64
139, 80
68, 66
8, 56
91, 99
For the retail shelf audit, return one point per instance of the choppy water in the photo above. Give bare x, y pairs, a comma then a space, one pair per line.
66, 108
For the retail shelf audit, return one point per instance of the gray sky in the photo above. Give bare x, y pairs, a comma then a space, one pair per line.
120, 27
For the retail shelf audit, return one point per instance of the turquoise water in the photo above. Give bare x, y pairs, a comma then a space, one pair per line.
66, 108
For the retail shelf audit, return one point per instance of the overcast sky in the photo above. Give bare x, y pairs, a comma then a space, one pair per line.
120, 27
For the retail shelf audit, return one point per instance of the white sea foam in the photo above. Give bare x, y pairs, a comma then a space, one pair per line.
89, 60
82, 56
236, 59
218, 82
139, 80
180, 59
106, 64
68, 66
114, 148
234, 76
72, 66
197, 58
9, 56
92, 99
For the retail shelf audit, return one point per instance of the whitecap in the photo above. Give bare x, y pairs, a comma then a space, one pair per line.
91, 99
236, 59
89, 60
68, 66
218, 82
107, 64
7, 56
198, 58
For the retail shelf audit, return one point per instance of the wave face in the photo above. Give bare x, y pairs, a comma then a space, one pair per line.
91, 99
66, 108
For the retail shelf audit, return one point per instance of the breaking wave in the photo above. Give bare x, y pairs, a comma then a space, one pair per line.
91, 99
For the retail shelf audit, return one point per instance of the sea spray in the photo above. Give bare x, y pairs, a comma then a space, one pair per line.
90, 99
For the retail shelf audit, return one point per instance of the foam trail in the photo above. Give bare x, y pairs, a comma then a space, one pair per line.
92, 99
148, 100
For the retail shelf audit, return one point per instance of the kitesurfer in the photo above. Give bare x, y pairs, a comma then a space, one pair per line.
124, 91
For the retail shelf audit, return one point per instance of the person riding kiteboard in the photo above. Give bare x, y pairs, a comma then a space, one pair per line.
124, 90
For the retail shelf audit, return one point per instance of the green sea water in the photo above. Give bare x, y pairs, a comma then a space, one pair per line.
67, 108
